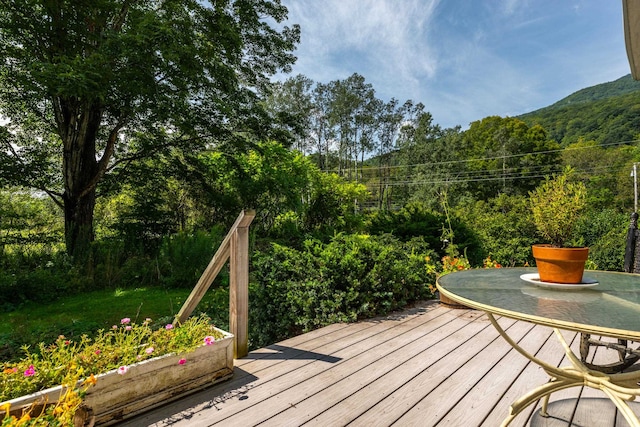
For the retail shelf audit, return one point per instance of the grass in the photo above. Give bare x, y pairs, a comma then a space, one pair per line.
86, 313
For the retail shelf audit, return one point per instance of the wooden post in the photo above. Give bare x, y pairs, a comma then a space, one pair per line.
239, 290
235, 246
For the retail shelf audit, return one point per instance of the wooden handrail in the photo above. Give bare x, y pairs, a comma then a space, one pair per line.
235, 247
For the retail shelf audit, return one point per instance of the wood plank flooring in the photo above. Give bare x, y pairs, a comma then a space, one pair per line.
427, 366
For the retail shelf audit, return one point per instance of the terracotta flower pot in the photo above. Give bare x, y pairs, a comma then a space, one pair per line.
560, 265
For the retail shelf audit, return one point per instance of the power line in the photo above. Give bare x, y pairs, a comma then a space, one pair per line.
449, 162
484, 176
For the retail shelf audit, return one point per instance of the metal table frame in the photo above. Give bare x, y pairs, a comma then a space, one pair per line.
620, 388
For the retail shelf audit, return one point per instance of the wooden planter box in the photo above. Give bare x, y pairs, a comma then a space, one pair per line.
146, 385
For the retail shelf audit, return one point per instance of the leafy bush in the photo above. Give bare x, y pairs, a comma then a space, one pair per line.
608, 252
331, 204
416, 220
411, 221
351, 277
287, 226
605, 233
503, 227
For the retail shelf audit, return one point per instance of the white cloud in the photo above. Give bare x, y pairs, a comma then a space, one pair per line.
384, 34
463, 59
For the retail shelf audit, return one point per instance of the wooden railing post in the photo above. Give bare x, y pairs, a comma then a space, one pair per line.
235, 247
239, 290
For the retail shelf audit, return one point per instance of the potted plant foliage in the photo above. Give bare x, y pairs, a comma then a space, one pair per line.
556, 205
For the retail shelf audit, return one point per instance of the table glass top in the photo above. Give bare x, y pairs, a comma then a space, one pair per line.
612, 306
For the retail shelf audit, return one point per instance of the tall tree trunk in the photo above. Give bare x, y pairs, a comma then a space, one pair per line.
78, 127
78, 223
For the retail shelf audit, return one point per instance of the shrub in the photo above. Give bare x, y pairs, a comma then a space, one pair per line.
605, 233
412, 220
416, 220
351, 277
43, 283
503, 227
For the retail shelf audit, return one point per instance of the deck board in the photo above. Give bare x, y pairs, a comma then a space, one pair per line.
427, 366
485, 394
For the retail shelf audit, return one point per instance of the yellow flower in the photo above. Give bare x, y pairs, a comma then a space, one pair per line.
91, 380
24, 419
5, 407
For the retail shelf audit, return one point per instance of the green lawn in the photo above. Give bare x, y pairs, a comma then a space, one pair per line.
85, 313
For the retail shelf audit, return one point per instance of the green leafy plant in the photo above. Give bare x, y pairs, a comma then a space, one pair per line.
349, 278
556, 206
66, 360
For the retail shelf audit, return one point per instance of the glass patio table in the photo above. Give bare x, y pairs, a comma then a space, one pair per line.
608, 304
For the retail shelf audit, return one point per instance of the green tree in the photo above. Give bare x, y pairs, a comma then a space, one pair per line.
320, 128
292, 101
352, 116
390, 122
423, 157
79, 79
508, 156
605, 172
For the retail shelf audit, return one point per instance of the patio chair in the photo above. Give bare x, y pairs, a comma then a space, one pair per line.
627, 356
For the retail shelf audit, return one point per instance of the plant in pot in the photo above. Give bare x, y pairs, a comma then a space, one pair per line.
556, 205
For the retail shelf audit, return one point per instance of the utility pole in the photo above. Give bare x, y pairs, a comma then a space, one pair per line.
634, 173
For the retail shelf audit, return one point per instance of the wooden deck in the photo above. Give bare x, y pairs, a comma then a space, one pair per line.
427, 366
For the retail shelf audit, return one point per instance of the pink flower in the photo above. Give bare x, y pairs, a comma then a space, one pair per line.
125, 321
128, 327
149, 350
98, 351
169, 326
123, 370
208, 340
30, 372
114, 327
182, 361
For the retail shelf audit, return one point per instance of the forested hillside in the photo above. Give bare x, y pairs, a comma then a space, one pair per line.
607, 113
621, 86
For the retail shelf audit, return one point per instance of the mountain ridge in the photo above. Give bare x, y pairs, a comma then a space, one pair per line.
606, 113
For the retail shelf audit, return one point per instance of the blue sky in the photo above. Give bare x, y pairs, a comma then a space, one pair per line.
463, 59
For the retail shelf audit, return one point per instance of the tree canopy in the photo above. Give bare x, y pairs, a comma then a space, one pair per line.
90, 86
